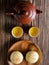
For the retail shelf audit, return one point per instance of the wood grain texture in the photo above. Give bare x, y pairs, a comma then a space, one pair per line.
7, 23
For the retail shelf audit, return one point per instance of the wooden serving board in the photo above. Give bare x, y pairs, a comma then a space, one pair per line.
24, 47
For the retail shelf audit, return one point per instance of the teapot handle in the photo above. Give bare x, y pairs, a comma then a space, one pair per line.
38, 11
10, 14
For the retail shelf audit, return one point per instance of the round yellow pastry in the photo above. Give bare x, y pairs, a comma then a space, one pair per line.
16, 57
32, 57
17, 32
34, 31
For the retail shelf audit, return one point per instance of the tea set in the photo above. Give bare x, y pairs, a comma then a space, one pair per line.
24, 12
24, 52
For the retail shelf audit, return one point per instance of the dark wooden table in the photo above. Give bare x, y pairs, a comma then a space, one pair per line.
8, 22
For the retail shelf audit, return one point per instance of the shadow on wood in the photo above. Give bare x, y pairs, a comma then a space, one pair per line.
5, 48
8, 26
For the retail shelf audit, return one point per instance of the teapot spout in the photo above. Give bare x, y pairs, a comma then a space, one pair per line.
38, 11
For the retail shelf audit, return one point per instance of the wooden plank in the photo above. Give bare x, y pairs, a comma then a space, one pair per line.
47, 29
41, 21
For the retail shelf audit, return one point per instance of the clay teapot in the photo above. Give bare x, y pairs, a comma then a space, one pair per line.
24, 12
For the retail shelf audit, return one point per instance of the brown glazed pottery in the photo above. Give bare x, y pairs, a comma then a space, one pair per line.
24, 12
24, 47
